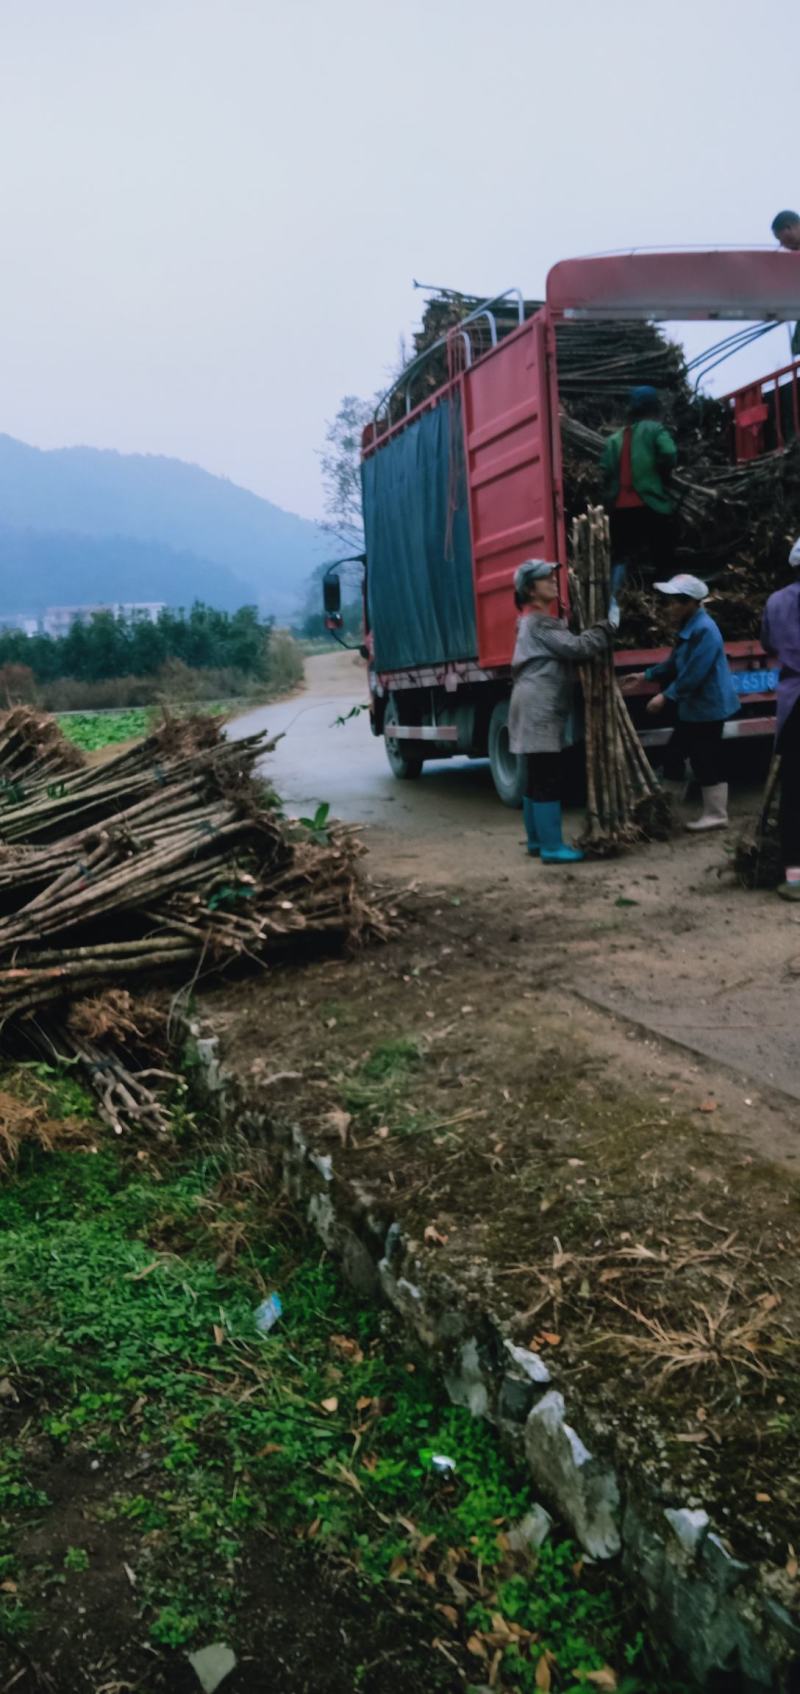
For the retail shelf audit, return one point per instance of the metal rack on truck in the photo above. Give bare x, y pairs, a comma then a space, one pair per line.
468, 482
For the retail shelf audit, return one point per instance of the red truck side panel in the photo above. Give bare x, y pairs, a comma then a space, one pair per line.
766, 413
510, 477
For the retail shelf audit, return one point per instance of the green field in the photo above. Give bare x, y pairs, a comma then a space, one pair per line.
92, 730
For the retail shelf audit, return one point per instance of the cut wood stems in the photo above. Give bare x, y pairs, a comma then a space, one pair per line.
625, 802
758, 861
172, 862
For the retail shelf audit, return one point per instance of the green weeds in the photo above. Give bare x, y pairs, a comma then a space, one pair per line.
129, 1293
376, 1093
317, 827
56, 1087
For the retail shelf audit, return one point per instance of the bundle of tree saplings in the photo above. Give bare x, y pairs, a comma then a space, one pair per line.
33, 752
757, 860
624, 802
119, 1045
172, 861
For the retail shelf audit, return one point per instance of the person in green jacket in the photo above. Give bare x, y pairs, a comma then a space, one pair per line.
637, 464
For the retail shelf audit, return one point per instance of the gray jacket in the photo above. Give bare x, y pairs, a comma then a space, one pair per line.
543, 668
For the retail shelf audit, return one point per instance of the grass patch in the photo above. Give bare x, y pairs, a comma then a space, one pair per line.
92, 730
129, 1291
387, 1091
377, 1091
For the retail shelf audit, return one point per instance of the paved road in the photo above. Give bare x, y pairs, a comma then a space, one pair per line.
319, 759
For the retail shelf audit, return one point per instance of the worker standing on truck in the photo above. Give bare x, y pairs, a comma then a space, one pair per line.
637, 465
786, 230
780, 635
697, 679
543, 668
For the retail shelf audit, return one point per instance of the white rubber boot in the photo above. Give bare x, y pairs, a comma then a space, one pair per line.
715, 808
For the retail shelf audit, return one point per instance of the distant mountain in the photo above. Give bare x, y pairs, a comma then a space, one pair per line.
79, 525
65, 569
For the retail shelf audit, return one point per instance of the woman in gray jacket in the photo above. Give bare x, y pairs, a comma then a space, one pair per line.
543, 668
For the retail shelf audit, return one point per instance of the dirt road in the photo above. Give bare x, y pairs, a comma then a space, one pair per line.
661, 939
574, 1090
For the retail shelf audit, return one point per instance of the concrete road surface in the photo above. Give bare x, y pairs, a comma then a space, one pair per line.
346, 765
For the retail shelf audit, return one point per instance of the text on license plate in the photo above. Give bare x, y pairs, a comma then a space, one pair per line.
755, 682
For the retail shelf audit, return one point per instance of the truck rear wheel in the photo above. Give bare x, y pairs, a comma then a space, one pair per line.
508, 769
404, 764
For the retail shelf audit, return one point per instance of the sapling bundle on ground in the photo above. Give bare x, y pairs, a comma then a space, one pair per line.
624, 801
757, 856
33, 752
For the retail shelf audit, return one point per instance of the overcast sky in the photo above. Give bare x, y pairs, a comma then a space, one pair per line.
213, 209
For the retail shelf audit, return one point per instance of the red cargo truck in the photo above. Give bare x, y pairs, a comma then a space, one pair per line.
468, 484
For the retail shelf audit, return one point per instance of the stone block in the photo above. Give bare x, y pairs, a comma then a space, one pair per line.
583, 1488
689, 1527
724, 1571
531, 1531
466, 1384
517, 1397
531, 1364
358, 1266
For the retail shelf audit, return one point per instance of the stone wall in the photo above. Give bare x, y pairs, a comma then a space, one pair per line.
727, 1620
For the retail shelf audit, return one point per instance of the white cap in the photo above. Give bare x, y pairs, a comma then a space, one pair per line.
794, 556
689, 585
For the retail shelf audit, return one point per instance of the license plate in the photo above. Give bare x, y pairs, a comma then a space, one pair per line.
755, 682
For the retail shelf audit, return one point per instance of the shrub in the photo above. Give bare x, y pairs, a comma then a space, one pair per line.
284, 662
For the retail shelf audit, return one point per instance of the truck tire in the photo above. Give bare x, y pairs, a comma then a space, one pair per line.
508, 769
405, 765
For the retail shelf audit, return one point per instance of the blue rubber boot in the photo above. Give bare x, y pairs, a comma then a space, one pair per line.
530, 828
547, 819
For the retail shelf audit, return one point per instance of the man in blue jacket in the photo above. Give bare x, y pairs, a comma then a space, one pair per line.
696, 677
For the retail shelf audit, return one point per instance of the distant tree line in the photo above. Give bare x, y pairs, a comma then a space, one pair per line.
110, 645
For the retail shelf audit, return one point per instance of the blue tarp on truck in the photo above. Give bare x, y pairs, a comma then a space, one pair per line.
420, 595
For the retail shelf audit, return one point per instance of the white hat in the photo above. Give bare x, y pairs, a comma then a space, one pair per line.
691, 586
794, 556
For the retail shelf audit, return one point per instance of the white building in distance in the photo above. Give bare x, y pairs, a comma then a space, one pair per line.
58, 620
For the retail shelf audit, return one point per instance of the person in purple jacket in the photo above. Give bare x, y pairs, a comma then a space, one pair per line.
780, 635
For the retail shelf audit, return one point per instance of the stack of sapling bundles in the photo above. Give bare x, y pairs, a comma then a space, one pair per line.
171, 862
624, 802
